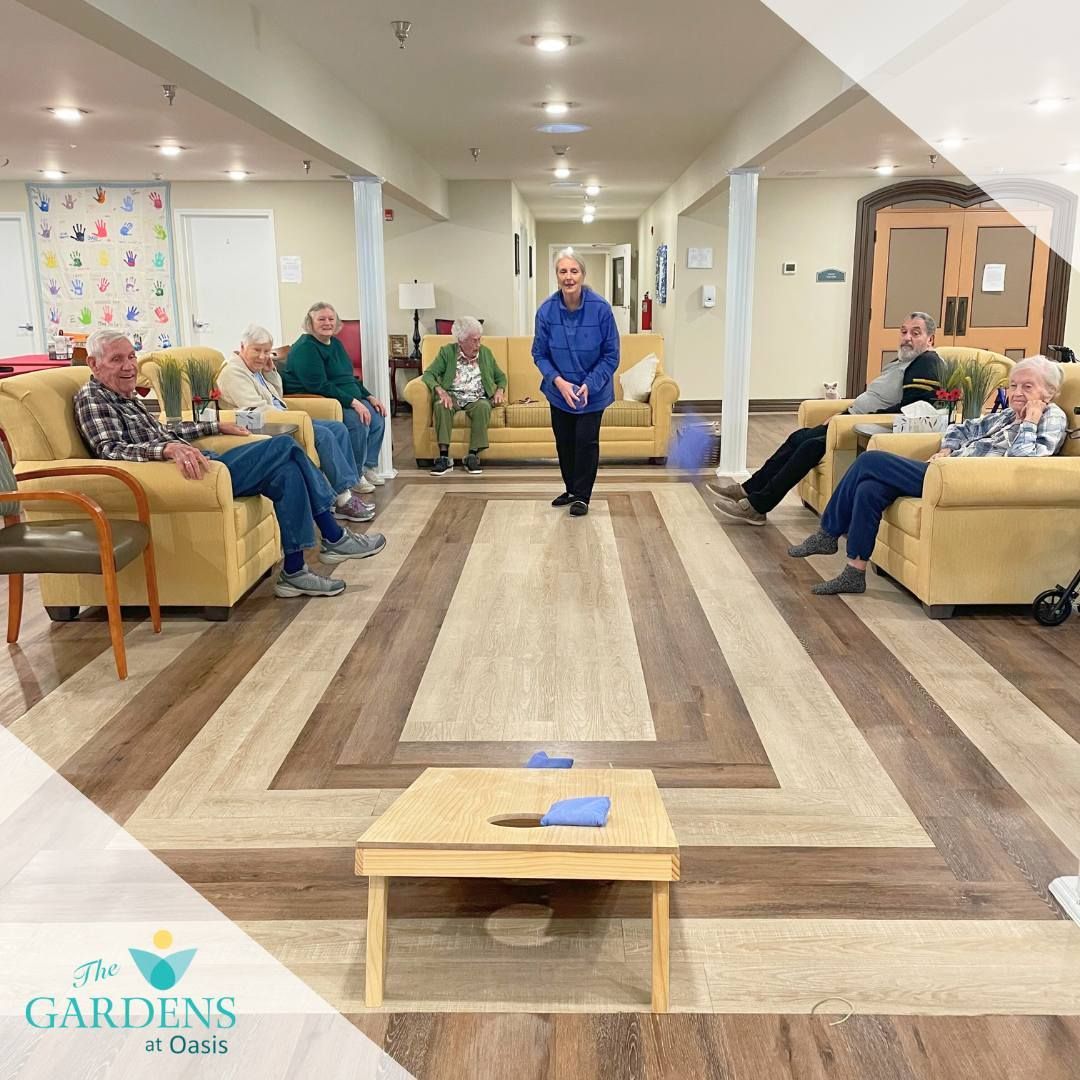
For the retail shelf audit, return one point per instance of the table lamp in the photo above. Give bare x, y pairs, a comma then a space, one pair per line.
419, 296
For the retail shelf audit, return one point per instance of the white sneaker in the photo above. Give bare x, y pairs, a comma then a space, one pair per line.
372, 477
363, 486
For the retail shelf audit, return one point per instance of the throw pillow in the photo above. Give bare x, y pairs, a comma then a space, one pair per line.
637, 381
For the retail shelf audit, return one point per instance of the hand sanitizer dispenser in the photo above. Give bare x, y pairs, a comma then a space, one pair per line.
708, 296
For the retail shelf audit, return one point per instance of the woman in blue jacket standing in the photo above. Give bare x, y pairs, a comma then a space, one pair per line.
576, 348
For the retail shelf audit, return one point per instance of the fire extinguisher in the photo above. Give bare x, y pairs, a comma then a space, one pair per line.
646, 313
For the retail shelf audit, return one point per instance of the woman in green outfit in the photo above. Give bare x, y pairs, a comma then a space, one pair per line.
319, 364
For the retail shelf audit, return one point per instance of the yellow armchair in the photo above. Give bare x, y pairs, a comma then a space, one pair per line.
211, 547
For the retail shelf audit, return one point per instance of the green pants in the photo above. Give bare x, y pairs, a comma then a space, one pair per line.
479, 414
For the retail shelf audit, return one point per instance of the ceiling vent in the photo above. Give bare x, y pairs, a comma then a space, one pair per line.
799, 172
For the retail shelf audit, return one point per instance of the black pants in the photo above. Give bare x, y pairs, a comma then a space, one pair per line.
577, 439
798, 454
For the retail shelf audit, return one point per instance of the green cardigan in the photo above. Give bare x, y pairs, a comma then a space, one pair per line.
326, 370
443, 368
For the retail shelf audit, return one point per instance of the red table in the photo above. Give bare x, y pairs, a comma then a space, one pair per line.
20, 365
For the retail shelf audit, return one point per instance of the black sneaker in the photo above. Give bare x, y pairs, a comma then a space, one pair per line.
472, 464
579, 508
565, 499
442, 466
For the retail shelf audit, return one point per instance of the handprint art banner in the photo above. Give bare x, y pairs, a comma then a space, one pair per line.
105, 259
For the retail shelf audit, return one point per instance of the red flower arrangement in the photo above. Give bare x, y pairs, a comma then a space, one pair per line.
948, 397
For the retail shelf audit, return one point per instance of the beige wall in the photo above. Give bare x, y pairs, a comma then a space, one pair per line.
524, 287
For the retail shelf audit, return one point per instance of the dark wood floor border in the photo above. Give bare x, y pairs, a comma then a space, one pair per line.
367, 702
982, 827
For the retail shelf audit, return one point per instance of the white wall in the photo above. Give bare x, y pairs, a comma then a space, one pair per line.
524, 225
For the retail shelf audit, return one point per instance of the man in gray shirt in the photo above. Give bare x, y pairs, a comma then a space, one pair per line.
913, 376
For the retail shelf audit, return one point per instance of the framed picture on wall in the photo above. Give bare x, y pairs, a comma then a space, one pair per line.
517, 253
399, 346
530, 261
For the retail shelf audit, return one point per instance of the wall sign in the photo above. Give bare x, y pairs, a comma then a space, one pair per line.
105, 259
699, 258
661, 274
831, 275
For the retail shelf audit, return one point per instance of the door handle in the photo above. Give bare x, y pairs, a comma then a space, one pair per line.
199, 325
26, 326
961, 316
950, 315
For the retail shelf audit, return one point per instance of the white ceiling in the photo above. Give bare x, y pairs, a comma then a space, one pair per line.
45, 64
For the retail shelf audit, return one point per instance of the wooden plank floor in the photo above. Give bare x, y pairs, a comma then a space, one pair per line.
870, 805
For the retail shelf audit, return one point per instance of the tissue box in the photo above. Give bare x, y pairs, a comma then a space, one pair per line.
252, 419
921, 424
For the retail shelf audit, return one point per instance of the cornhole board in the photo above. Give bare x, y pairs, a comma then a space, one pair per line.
485, 823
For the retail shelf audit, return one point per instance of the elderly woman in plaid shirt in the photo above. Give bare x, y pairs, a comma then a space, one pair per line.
1031, 427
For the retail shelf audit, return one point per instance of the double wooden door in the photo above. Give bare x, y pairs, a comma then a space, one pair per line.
981, 274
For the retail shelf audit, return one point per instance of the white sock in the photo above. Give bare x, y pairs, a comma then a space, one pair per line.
343, 498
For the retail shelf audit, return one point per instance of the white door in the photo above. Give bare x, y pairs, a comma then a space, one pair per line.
619, 285
229, 261
19, 332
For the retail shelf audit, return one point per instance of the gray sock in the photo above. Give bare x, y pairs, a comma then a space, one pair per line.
849, 580
819, 543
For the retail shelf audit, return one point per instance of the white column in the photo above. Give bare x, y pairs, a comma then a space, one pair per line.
371, 282
738, 316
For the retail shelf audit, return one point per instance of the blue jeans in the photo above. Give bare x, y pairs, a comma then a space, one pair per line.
335, 452
366, 438
875, 480
280, 469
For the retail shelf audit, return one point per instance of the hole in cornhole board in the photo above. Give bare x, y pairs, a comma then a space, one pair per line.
517, 821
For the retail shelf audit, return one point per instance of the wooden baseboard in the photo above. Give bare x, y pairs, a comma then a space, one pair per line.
757, 405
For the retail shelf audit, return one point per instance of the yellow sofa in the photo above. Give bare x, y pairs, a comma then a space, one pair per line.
985, 530
818, 485
630, 429
301, 411
211, 548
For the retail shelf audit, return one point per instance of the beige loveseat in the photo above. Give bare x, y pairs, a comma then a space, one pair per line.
518, 432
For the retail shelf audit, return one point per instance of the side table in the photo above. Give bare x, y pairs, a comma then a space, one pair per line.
409, 363
865, 432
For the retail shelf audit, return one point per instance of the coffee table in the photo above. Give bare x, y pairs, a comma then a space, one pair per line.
485, 823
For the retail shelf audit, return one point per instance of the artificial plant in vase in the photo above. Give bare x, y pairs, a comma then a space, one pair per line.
204, 394
171, 378
980, 381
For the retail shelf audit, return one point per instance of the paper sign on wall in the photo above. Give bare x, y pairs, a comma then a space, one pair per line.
993, 277
699, 258
292, 271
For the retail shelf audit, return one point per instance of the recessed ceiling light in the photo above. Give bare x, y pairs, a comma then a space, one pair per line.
592, 189
67, 113
170, 149
587, 219
952, 142
238, 174
53, 174
556, 108
1048, 104
562, 172
550, 42
1071, 166
884, 170
562, 128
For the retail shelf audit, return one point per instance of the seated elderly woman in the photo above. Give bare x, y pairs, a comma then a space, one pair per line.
464, 377
249, 380
319, 364
1031, 427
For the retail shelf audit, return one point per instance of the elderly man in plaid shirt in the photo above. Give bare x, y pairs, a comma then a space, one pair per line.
115, 425
1031, 427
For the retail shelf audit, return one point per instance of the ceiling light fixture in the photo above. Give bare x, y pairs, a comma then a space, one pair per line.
562, 172
550, 43
169, 90
556, 108
592, 189
67, 113
562, 127
401, 31
53, 174
884, 170
237, 174
587, 219
170, 149
1071, 166
1048, 104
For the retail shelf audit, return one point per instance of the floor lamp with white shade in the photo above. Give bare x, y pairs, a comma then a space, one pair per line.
417, 296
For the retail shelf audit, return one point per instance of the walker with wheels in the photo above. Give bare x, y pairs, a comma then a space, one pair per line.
1054, 606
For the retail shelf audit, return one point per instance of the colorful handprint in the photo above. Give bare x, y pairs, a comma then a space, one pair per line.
155, 198
136, 340
107, 314
86, 316
161, 315
78, 232
54, 316
76, 286
69, 202
76, 260
159, 260
51, 261
103, 285
101, 230
130, 258
132, 314
159, 232
125, 229
43, 202
163, 341
128, 204
131, 285
99, 195
46, 230
54, 287
159, 289
103, 257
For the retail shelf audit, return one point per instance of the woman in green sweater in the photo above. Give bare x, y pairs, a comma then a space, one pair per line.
319, 364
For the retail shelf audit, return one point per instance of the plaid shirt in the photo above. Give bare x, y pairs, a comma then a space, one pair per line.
1001, 434
120, 429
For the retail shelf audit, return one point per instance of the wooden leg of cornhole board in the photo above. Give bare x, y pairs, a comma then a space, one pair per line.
660, 933
375, 970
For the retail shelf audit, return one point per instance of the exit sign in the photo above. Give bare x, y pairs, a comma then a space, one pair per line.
388, 215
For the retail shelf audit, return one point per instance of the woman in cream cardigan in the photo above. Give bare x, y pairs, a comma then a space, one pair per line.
249, 380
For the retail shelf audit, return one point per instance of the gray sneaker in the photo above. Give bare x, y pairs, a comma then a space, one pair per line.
307, 583
740, 511
352, 546
355, 510
727, 490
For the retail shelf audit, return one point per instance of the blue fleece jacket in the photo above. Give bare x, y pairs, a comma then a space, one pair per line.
582, 346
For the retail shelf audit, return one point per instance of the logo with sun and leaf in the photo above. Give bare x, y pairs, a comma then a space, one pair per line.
162, 972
